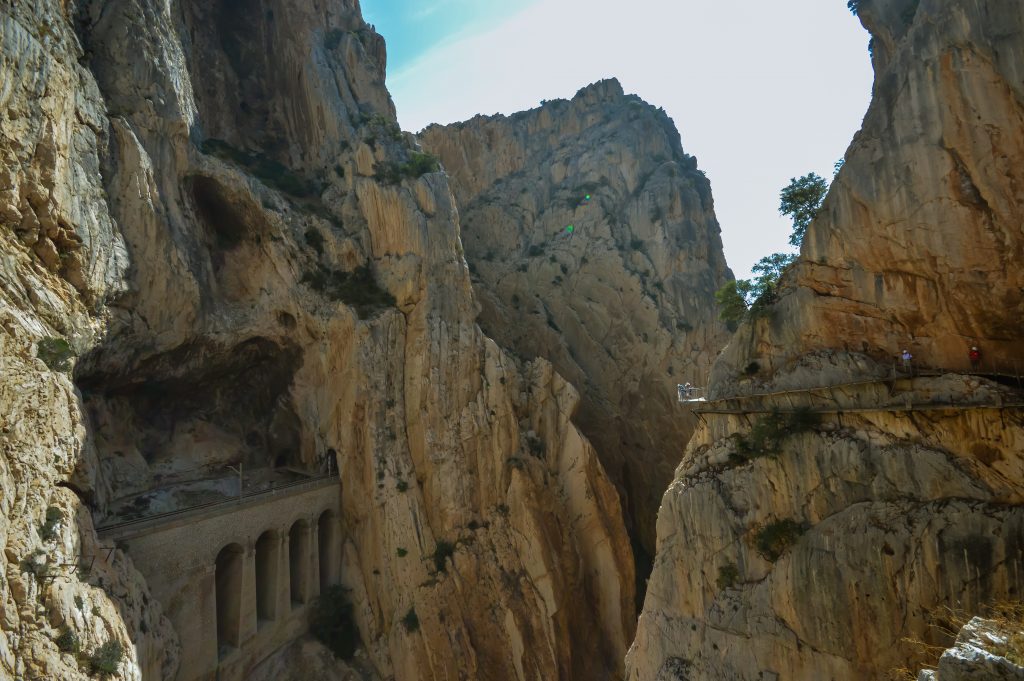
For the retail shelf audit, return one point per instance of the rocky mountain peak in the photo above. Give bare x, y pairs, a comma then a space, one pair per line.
593, 243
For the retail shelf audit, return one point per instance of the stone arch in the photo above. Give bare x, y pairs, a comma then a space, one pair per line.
267, 561
228, 568
327, 548
298, 562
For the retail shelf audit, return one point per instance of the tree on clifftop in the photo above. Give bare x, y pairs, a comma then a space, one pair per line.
801, 200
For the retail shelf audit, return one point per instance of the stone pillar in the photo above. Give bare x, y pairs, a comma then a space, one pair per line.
193, 613
310, 565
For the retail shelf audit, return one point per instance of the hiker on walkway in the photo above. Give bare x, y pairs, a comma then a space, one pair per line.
906, 357
974, 354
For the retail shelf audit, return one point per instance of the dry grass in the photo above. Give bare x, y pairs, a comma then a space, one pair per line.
946, 622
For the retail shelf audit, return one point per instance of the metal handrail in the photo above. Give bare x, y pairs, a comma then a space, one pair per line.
293, 486
913, 406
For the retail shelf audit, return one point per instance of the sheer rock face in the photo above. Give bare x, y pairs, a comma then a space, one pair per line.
195, 280
622, 305
892, 514
61, 257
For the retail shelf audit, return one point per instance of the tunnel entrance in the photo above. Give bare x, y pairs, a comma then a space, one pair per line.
229, 598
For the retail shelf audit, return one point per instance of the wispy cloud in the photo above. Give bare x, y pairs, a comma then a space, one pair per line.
430, 9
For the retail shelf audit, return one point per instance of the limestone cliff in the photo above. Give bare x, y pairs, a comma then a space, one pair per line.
212, 205
814, 542
623, 303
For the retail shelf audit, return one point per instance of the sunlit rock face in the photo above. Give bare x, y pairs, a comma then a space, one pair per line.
824, 552
212, 203
593, 240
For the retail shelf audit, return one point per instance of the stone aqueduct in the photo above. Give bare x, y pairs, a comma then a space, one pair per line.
236, 579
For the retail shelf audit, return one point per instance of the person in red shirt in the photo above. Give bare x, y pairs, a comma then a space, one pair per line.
974, 354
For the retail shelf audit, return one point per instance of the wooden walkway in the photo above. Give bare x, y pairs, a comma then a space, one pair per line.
922, 406
725, 405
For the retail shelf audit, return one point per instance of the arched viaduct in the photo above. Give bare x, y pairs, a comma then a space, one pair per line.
237, 578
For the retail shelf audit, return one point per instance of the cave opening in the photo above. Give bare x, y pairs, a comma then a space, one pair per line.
173, 430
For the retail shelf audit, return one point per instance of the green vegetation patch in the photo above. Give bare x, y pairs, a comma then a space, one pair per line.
105, 660
67, 641
357, 289
272, 173
48, 530
332, 624
36, 564
775, 539
419, 164
56, 354
411, 621
728, 575
768, 432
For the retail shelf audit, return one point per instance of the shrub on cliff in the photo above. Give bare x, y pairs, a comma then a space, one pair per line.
728, 574
411, 621
419, 164
271, 172
773, 540
332, 624
732, 302
56, 353
105, 660
68, 642
48, 530
357, 288
766, 436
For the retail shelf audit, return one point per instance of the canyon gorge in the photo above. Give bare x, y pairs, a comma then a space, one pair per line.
260, 347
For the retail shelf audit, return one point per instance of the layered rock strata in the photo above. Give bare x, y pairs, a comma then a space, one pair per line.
812, 530
212, 205
593, 240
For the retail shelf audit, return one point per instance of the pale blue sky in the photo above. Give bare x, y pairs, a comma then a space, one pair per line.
760, 92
